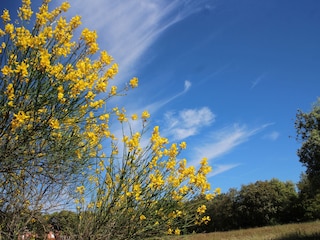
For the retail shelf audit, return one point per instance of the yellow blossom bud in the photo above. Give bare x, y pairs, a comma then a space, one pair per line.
145, 115
113, 90
134, 116
5, 16
134, 82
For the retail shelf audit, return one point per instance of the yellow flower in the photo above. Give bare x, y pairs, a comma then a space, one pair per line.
75, 22
25, 11
104, 117
65, 6
218, 190
177, 231
145, 115
101, 86
2, 33
89, 36
171, 164
184, 190
209, 196
105, 58
99, 204
9, 28
60, 96
80, 189
5, 16
54, 123
142, 217
202, 209
134, 116
122, 117
93, 48
183, 145
22, 69
156, 181
19, 119
10, 92
44, 58
90, 205
113, 90
204, 161
134, 82
205, 219
111, 72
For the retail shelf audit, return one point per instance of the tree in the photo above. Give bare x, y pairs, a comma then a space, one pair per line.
265, 202
65, 222
56, 143
308, 204
308, 132
223, 212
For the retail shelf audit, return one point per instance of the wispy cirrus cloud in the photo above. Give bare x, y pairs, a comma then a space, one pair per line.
155, 106
222, 168
127, 28
256, 81
225, 140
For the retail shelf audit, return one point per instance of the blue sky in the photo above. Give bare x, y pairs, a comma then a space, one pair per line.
226, 76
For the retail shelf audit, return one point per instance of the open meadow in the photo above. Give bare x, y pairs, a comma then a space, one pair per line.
298, 231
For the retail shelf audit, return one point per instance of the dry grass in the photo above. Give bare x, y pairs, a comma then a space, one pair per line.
301, 231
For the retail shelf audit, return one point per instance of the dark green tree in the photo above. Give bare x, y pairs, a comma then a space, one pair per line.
308, 133
223, 213
308, 205
65, 222
265, 203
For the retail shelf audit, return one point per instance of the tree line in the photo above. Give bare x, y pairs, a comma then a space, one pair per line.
262, 203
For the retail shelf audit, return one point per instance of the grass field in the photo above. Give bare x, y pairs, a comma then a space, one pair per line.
301, 231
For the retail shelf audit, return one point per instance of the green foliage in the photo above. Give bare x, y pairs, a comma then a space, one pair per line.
257, 204
308, 132
308, 204
223, 212
66, 222
265, 202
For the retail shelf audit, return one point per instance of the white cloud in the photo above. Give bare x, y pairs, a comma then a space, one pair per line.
187, 85
187, 122
221, 168
272, 136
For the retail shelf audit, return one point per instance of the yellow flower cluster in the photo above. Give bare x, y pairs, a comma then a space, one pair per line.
90, 38
80, 190
25, 11
10, 93
5, 16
